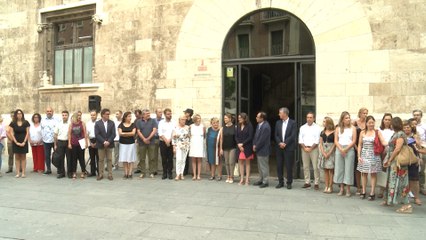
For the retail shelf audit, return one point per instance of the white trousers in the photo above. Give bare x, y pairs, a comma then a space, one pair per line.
180, 160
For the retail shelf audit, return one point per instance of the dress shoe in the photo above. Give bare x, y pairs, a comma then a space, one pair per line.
164, 177
110, 178
263, 185
48, 172
60, 176
288, 185
92, 175
280, 185
100, 177
170, 176
137, 171
257, 183
316, 187
9, 171
306, 185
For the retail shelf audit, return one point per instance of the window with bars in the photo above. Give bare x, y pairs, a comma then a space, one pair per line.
243, 46
73, 51
277, 42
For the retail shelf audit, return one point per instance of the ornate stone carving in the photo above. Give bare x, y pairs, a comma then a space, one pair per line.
97, 19
41, 27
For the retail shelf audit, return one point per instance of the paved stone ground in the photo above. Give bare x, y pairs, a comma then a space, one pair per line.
43, 207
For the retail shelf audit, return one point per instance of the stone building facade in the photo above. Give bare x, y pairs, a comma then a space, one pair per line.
168, 53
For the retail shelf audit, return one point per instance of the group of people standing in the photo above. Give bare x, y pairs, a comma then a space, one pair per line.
350, 151
344, 151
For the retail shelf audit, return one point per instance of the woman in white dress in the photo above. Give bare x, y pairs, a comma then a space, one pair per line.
368, 161
387, 132
196, 149
127, 152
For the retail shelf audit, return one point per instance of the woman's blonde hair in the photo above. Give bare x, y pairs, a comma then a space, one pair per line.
341, 124
214, 119
329, 124
195, 117
361, 110
74, 117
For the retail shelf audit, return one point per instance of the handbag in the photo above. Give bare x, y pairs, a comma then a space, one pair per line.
55, 159
406, 157
378, 147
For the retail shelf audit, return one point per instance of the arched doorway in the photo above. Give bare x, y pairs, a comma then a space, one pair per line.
268, 60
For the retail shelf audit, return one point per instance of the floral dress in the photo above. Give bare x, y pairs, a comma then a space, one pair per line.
398, 187
181, 141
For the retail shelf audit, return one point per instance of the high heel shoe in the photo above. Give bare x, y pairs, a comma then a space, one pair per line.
371, 197
362, 195
325, 190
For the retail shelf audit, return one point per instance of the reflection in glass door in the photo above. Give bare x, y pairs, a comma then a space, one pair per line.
230, 89
244, 91
306, 90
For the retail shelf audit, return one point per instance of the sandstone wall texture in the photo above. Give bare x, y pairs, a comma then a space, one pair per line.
167, 53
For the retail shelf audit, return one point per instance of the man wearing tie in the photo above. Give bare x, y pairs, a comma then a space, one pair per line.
261, 146
105, 134
285, 137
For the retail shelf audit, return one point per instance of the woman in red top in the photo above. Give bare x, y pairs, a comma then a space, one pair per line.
76, 132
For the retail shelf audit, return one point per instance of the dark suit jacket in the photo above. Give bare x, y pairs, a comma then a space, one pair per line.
262, 139
245, 137
102, 136
290, 134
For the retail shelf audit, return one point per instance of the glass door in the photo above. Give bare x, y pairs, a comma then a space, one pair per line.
244, 91
307, 90
230, 89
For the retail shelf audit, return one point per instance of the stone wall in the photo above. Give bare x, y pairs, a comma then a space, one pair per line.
168, 54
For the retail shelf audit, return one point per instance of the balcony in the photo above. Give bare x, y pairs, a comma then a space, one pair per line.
274, 17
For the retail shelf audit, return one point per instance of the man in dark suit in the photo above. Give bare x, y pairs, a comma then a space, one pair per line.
261, 146
105, 134
285, 137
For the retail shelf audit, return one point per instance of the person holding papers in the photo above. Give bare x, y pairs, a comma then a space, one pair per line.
77, 142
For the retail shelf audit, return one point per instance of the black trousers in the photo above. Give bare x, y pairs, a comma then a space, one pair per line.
286, 158
185, 170
166, 158
62, 149
94, 158
77, 154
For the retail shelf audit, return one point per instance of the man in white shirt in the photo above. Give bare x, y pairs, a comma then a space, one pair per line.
93, 151
309, 136
61, 145
158, 118
165, 130
421, 131
117, 121
48, 125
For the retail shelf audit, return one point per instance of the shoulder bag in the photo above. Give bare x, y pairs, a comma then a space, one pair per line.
378, 147
406, 157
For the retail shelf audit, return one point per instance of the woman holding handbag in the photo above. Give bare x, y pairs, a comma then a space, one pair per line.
413, 141
369, 162
398, 188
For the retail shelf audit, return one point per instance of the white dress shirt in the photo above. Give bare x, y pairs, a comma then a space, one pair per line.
284, 128
61, 130
309, 134
90, 127
165, 129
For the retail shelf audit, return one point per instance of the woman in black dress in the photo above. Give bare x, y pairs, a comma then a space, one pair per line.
19, 131
244, 139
